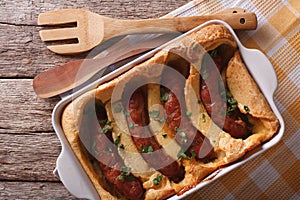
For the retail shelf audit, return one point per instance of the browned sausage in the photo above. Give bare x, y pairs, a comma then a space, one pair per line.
142, 137
192, 139
111, 163
214, 104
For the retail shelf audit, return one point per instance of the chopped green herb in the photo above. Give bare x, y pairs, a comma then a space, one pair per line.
147, 149
203, 118
162, 120
176, 129
205, 75
188, 113
214, 53
125, 172
193, 153
102, 122
181, 134
117, 140
154, 113
131, 125
246, 108
230, 109
127, 114
118, 109
231, 102
109, 149
130, 178
107, 128
157, 180
121, 147
181, 154
164, 95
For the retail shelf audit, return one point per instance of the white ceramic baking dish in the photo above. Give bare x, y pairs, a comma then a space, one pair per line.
76, 180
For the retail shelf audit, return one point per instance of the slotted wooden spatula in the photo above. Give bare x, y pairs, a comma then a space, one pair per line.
92, 29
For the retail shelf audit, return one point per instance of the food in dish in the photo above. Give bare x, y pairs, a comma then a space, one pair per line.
163, 126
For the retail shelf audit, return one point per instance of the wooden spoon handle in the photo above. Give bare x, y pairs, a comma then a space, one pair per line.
246, 21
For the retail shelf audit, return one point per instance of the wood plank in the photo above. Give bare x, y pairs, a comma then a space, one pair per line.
28, 157
33, 190
26, 12
22, 52
21, 110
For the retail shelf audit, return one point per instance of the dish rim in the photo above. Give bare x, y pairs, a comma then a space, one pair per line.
85, 189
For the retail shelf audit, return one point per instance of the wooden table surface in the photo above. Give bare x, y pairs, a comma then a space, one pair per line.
29, 146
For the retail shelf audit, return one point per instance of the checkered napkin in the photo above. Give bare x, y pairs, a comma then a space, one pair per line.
274, 174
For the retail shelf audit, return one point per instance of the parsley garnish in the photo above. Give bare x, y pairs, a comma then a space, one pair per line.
181, 154
102, 122
162, 120
182, 134
203, 118
118, 109
246, 108
214, 53
147, 149
131, 125
205, 75
231, 102
157, 180
193, 153
121, 147
154, 113
107, 128
188, 113
117, 140
127, 114
164, 95
125, 172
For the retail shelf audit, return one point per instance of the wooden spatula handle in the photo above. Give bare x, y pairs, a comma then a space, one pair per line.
114, 27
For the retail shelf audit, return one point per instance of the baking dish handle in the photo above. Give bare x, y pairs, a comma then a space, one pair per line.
71, 174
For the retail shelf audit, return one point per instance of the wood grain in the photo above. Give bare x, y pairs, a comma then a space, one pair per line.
22, 52
33, 190
28, 145
21, 110
28, 157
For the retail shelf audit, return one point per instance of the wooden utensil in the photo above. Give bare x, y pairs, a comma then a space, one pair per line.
64, 77
74, 73
92, 29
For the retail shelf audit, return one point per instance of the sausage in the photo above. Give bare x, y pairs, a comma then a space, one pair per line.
214, 104
201, 147
142, 137
111, 163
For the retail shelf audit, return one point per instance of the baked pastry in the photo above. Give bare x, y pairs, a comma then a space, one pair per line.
167, 123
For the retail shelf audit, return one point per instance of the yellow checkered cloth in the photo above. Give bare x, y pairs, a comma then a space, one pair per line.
274, 174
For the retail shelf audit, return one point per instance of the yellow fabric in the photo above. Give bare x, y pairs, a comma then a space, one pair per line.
274, 174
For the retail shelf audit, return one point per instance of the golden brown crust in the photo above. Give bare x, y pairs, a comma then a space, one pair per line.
247, 93
227, 149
